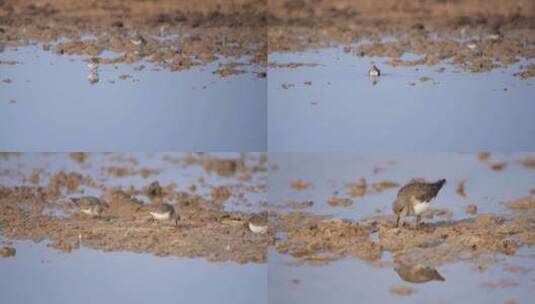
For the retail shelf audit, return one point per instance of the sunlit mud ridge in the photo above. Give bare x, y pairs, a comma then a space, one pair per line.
473, 35
320, 239
204, 229
174, 35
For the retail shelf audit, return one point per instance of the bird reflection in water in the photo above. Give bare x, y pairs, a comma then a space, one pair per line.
418, 273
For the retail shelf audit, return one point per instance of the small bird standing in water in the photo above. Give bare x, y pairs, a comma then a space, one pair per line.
93, 63
414, 198
374, 71
89, 205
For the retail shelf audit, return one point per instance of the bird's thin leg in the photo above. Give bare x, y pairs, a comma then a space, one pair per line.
397, 221
418, 218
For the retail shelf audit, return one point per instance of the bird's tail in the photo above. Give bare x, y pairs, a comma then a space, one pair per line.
438, 185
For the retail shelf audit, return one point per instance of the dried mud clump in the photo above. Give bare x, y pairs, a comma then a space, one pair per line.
66, 181
7, 252
299, 184
357, 189
498, 166
483, 155
339, 202
78, 156
459, 188
529, 162
300, 205
220, 194
471, 209
381, 186
127, 171
523, 203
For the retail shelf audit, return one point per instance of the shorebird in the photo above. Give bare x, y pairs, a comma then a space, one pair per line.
258, 223
154, 190
418, 273
374, 71
414, 198
93, 64
138, 40
163, 212
89, 205
93, 77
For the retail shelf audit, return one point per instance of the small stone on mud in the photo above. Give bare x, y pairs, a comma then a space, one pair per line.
339, 202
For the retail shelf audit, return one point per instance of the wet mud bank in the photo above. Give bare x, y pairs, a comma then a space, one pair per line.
474, 36
169, 34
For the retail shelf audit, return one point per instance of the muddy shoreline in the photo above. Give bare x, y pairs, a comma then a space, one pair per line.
176, 35
473, 35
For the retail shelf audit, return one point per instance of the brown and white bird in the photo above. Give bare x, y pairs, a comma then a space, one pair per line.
89, 205
374, 71
414, 198
258, 223
161, 211
418, 273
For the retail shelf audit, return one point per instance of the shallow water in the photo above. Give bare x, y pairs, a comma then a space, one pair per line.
89, 276
57, 109
342, 110
331, 172
16, 169
353, 281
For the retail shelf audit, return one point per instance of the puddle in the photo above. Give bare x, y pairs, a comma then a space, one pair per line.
89, 276
336, 106
304, 267
126, 109
168, 168
351, 281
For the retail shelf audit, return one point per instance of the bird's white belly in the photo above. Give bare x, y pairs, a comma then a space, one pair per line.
87, 211
258, 228
161, 216
420, 207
